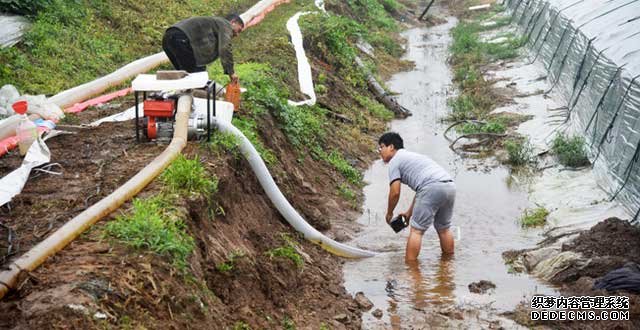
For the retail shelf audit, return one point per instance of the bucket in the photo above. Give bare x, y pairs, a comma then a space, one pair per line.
232, 94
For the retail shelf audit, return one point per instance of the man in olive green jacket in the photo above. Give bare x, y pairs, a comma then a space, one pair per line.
193, 43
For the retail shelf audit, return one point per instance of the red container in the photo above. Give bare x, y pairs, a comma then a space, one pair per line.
158, 108
20, 107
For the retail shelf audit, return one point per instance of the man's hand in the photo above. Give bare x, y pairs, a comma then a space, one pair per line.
234, 78
388, 217
407, 215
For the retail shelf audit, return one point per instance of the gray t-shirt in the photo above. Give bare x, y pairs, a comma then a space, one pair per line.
415, 170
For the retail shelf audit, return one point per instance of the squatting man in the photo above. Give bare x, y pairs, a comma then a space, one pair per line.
435, 193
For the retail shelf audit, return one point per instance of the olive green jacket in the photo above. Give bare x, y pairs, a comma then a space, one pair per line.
210, 38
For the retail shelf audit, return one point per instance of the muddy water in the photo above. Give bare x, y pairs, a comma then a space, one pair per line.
488, 204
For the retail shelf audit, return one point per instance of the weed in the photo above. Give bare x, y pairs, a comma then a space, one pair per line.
304, 126
249, 128
377, 109
153, 224
324, 326
495, 126
346, 192
570, 151
225, 142
374, 14
288, 251
520, 152
463, 108
240, 325
188, 175
288, 324
331, 36
347, 170
534, 218
70, 119
229, 264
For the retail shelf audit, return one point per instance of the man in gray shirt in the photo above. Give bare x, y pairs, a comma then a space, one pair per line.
435, 193
193, 43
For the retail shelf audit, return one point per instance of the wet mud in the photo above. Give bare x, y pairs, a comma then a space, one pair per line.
605, 247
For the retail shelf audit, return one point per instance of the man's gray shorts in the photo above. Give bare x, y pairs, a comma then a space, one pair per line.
434, 204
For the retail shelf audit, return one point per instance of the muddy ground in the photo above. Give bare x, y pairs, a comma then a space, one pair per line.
135, 288
607, 246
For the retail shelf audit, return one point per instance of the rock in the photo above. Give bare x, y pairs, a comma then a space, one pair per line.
481, 286
377, 313
363, 301
342, 318
342, 236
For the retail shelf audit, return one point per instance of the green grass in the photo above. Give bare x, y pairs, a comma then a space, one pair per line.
189, 176
53, 55
520, 152
154, 224
571, 151
534, 218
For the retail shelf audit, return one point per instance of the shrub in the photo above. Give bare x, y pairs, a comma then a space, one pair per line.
570, 151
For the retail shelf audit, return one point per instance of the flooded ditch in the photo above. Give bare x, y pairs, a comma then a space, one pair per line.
488, 205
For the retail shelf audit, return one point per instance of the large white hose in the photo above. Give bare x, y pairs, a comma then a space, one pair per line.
282, 204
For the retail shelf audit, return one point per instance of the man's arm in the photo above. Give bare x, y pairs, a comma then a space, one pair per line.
226, 51
394, 196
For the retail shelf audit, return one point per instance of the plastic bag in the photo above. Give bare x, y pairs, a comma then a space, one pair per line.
8, 94
38, 104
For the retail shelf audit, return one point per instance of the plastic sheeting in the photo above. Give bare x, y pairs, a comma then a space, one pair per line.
591, 49
12, 183
304, 68
13, 27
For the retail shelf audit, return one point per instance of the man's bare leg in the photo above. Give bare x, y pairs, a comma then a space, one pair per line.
446, 241
414, 243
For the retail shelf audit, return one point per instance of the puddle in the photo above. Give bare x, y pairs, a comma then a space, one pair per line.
488, 204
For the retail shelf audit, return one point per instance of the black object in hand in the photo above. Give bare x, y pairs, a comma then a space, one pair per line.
398, 223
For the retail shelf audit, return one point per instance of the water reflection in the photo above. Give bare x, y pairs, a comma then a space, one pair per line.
426, 287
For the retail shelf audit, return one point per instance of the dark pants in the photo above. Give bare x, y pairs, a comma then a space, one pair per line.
177, 47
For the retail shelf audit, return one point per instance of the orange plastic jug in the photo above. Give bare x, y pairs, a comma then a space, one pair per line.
232, 95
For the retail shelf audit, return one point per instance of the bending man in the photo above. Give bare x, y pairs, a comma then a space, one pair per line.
193, 43
435, 193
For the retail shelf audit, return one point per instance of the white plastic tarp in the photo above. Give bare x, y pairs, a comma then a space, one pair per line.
12, 184
304, 68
